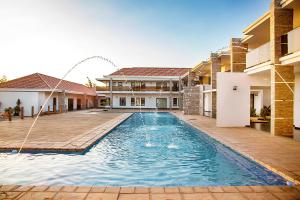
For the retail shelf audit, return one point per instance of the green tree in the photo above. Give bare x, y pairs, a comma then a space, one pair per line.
3, 79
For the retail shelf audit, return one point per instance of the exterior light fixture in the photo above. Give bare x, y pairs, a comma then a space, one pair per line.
235, 87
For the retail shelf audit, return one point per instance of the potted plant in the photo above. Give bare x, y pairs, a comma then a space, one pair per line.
265, 112
8, 112
17, 108
253, 112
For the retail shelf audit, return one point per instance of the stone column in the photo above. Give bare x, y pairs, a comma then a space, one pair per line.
215, 67
170, 97
191, 100
282, 77
111, 94
238, 52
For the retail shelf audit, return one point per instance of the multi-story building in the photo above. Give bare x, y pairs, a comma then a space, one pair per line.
143, 87
273, 63
269, 54
204, 78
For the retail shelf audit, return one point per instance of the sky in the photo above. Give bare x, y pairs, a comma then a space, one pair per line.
50, 36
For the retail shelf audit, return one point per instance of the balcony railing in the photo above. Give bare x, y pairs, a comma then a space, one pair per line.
258, 56
144, 89
294, 40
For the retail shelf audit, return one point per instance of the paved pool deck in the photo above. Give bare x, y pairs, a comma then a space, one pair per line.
276, 153
138, 193
66, 132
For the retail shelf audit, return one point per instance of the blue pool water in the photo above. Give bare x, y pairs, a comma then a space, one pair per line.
148, 149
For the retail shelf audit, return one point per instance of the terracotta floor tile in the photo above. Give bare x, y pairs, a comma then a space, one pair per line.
244, 189
230, 189
171, 190
287, 196
39, 188
134, 197
102, 196
260, 196
6, 188
198, 196
215, 189
228, 196
173, 196
54, 188
68, 189
141, 190
83, 189
37, 195
98, 189
258, 188
127, 190
70, 196
157, 190
9, 195
186, 190
23, 188
201, 189
112, 189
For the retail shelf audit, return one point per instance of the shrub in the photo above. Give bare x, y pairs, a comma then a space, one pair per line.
253, 112
17, 108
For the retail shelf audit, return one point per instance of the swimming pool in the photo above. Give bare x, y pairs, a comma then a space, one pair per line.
147, 149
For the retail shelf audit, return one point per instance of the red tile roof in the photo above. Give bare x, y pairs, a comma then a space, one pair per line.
41, 81
150, 71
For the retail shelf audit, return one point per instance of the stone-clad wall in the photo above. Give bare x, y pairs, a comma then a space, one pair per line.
282, 98
192, 100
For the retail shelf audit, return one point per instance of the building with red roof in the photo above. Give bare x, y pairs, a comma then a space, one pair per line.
34, 89
143, 87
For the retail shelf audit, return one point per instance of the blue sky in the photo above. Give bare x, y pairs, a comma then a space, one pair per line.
49, 36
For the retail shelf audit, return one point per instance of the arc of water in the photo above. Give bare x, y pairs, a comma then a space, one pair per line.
54, 89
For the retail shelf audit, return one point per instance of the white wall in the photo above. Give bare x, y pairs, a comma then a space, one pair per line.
297, 100
150, 100
207, 104
233, 106
28, 99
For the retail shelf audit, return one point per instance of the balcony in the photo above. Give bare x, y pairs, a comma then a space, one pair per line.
137, 89
294, 41
258, 56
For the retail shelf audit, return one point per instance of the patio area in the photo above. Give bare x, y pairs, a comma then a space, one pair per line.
136, 193
72, 131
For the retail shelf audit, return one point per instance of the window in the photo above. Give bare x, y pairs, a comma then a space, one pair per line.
114, 83
122, 101
142, 101
175, 102
120, 84
132, 102
143, 85
132, 84
137, 101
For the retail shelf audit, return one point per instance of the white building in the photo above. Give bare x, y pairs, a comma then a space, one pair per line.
142, 87
34, 89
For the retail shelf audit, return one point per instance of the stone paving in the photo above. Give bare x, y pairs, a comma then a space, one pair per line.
138, 193
277, 153
60, 132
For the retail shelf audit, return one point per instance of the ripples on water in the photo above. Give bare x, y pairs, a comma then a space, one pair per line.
161, 151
